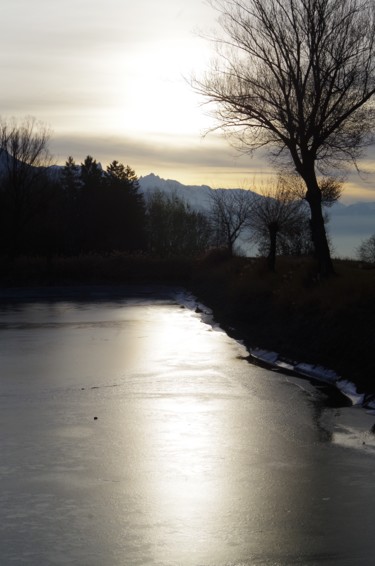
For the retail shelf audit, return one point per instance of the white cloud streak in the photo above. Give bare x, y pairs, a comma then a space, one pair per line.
108, 78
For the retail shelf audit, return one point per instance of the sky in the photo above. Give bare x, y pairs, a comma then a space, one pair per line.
111, 79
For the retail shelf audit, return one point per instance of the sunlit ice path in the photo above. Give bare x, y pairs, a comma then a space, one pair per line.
134, 431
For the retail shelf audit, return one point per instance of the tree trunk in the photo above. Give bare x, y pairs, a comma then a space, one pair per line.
318, 230
271, 260
230, 246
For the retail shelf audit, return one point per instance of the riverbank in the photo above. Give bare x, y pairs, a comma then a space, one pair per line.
325, 323
320, 322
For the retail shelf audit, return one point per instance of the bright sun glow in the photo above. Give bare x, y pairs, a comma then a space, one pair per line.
113, 81
158, 99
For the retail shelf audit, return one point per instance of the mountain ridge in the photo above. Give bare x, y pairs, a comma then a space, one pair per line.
348, 225
151, 182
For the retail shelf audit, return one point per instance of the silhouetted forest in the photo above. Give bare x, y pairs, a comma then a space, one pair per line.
81, 209
71, 210
77, 210
49, 211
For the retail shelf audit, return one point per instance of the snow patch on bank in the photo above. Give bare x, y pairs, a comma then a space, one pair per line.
189, 301
317, 372
276, 361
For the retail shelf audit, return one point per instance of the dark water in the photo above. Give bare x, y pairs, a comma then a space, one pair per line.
133, 433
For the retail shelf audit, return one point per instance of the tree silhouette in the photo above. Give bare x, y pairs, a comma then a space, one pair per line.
71, 207
71, 181
91, 173
297, 76
125, 208
229, 215
24, 181
366, 250
174, 229
275, 216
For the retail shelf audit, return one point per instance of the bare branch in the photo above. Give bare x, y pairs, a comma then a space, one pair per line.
229, 214
297, 77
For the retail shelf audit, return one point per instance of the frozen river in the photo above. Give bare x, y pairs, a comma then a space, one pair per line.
132, 432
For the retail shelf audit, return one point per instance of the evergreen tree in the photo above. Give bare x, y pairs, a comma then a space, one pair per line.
71, 181
91, 205
71, 185
91, 173
125, 208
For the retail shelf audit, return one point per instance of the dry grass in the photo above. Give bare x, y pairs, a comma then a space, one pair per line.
328, 322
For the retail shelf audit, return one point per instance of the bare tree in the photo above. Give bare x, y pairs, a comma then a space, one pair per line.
24, 159
277, 214
366, 250
23, 149
229, 214
297, 76
330, 188
174, 228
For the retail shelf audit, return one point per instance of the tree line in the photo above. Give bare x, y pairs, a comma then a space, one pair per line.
47, 210
294, 76
82, 208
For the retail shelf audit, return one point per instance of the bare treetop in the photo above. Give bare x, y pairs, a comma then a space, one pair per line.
296, 74
25, 141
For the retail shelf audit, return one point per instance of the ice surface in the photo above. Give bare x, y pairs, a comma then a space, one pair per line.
133, 432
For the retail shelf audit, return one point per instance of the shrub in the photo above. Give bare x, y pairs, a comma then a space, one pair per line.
366, 250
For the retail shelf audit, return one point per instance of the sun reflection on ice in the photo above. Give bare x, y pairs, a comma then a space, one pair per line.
186, 431
188, 343
185, 495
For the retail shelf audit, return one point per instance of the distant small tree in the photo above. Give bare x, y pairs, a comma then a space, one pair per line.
297, 240
174, 228
229, 215
366, 250
277, 216
71, 207
90, 205
70, 177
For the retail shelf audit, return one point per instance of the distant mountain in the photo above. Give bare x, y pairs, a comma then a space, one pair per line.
196, 196
356, 208
347, 227
348, 224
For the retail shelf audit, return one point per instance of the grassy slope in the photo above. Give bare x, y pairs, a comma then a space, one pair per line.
328, 322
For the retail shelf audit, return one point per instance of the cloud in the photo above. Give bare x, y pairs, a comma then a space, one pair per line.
188, 160
191, 160
107, 78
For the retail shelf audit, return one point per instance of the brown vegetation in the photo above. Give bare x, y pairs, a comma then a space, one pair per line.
304, 318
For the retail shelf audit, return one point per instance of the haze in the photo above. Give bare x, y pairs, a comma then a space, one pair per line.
111, 80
